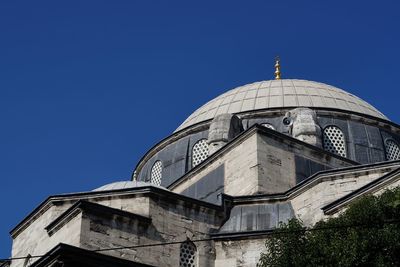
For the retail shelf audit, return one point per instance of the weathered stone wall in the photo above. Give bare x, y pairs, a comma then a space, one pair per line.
276, 166
172, 220
132, 203
276, 162
99, 232
240, 172
259, 164
34, 240
307, 204
389, 186
240, 253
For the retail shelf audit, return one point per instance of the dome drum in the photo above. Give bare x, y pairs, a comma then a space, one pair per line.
176, 157
301, 109
363, 139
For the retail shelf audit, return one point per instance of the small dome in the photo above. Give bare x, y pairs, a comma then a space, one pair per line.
125, 185
286, 93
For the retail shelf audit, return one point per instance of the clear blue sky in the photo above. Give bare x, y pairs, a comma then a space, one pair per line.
87, 87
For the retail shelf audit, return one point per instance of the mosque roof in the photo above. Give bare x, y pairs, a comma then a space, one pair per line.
125, 185
285, 93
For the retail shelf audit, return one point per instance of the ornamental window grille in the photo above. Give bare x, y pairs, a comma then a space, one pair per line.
334, 141
267, 125
187, 255
392, 150
156, 173
199, 152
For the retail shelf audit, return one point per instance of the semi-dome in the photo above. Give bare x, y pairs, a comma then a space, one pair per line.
125, 185
287, 93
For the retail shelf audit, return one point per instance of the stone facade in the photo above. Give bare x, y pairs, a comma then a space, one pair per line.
253, 163
105, 222
243, 253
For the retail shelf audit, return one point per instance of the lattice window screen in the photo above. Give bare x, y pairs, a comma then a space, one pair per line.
334, 141
268, 126
199, 152
156, 173
188, 255
392, 150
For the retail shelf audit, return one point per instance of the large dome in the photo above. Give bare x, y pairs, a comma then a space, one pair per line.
281, 93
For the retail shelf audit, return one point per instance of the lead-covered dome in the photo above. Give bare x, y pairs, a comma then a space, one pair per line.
287, 93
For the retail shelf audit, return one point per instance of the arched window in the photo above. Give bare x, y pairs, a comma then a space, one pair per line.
392, 150
267, 125
334, 141
199, 152
187, 255
156, 173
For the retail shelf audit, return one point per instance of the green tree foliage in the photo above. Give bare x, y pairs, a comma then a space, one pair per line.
366, 234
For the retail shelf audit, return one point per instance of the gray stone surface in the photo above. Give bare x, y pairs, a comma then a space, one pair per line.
305, 167
261, 163
125, 185
172, 220
305, 126
176, 158
243, 253
209, 188
364, 144
223, 129
280, 94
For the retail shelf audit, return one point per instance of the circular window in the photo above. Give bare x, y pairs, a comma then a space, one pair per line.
334, 141
156, 173
392, 150
199, 152
287, 121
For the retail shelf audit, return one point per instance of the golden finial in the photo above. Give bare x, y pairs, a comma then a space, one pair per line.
277, 69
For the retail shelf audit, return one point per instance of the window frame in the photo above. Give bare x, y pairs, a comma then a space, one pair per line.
190, 244
386, 147
153, 179
193, 152
324, 135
